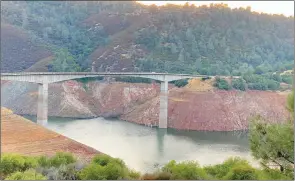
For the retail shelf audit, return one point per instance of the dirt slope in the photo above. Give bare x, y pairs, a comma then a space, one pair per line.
18, 52
19, 135
188, 109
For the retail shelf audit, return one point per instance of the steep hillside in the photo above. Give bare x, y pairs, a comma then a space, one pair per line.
125, 36
18, 51
33, 139
213, 40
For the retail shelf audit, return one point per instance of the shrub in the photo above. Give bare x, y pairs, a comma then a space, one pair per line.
222, 84
11, 163
62, 158
181, 83
188, 170
133, 175
242, 172
30, 174
288, 79
104, 167
43, 161
220, 170
273, 85
92, 172
63, 172
239, 84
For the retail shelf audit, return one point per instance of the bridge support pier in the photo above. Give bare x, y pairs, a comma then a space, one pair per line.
42, 109
163, 116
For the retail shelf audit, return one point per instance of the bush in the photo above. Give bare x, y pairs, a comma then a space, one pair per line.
188, 170
30, 174
272, 85
13, 162
43, 161
239, 84
181, 83
104, 167
288, 79
63, 172
220, 170
61, 158
133, 175
242, 172
222, 84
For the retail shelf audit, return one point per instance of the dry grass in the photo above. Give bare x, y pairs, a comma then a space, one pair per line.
40, 66
5, 111
178, 99
287, 72
199, 85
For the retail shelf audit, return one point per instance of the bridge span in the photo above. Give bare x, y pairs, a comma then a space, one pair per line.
45, 78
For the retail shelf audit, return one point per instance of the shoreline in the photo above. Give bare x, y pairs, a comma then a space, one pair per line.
23, 136
146, 125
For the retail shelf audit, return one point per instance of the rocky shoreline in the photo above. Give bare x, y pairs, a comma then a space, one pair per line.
188, 109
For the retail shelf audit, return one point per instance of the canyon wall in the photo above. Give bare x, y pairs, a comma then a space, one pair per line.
189, 109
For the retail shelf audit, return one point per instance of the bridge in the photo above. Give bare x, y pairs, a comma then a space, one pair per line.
45, 78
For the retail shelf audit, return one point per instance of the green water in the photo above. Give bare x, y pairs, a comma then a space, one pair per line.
145, 148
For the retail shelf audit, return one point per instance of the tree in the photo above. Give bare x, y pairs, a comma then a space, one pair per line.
273, 144
64, 62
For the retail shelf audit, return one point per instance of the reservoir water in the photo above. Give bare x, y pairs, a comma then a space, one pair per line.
145, 148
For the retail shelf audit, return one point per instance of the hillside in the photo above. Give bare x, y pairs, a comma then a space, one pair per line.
127, 36
18, 51
33, 139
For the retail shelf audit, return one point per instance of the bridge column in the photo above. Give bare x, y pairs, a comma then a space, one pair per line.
163, 116
42, 109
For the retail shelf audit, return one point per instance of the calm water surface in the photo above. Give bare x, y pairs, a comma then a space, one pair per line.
145, 148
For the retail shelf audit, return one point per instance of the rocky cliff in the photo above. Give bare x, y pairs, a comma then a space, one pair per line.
189, 109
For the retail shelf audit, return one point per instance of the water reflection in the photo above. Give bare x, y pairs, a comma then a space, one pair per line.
143, 148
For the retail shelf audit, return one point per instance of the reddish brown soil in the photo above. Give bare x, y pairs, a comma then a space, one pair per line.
19, 135
212, 111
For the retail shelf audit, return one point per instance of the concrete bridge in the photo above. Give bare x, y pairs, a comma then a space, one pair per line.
45, 78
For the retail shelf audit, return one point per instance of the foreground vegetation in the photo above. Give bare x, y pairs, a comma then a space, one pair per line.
64, 166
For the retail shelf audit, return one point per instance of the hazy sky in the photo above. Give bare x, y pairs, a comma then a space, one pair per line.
272, 7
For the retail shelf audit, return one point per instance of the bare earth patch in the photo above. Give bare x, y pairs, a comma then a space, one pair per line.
20, 135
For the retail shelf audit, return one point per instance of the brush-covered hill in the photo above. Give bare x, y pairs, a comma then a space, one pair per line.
127, 36
19, 52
